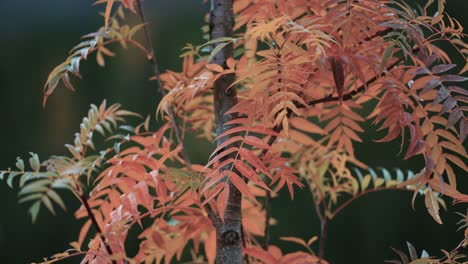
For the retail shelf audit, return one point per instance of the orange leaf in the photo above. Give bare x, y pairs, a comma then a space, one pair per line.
305, 125
256, 142
214, 67
107, 13
240, 185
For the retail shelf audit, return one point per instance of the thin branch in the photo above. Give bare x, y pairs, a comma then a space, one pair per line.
352, 199
91, 216
361, 88
380, 33
457, 248
323, 237
157, 74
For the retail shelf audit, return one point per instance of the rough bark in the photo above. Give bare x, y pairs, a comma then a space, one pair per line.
228, 232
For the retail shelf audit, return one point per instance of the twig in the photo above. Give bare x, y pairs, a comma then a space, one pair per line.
323, 237
352, 199
157, 74
361, 88
91, 216
457, 248
380, 33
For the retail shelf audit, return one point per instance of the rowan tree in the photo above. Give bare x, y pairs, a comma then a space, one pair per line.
280, 88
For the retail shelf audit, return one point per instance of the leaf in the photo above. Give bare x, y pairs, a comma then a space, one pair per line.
305, 125
107, 13
20, 164
84, 231
365, 182
215, 67
296, 240
423, 261
56, 198
386, 56
48, 204
240, 185
135, 29
442, 68
402, 255
34, 210
256, 142
216, 50
432, 206
253, 159
34, 162
453, 78
412, 251
261, 254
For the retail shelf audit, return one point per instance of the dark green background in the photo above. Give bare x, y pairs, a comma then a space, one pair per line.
36, 35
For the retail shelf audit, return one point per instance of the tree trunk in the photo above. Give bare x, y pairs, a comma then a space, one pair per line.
229, 231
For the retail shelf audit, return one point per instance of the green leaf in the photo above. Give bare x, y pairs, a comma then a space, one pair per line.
216, 50
34, 210
218, 40
11, 177
2, 174
386, 56
37, 186
62, 184
56, 198
48, 204
20, 164
30, 197
34, 162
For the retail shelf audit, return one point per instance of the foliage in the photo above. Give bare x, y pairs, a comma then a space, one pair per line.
305, 74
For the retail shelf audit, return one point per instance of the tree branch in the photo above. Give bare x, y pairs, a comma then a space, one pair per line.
157, 74
91, 216
361, 88
229, 233
323, 237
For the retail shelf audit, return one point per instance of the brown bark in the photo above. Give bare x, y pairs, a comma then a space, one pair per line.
228, 232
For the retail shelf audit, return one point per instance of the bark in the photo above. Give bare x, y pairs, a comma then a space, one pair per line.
228, 232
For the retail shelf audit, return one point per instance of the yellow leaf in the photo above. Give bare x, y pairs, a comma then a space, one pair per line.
378, 182
365, 182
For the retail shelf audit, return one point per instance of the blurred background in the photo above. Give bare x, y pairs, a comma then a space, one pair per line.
35, 36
